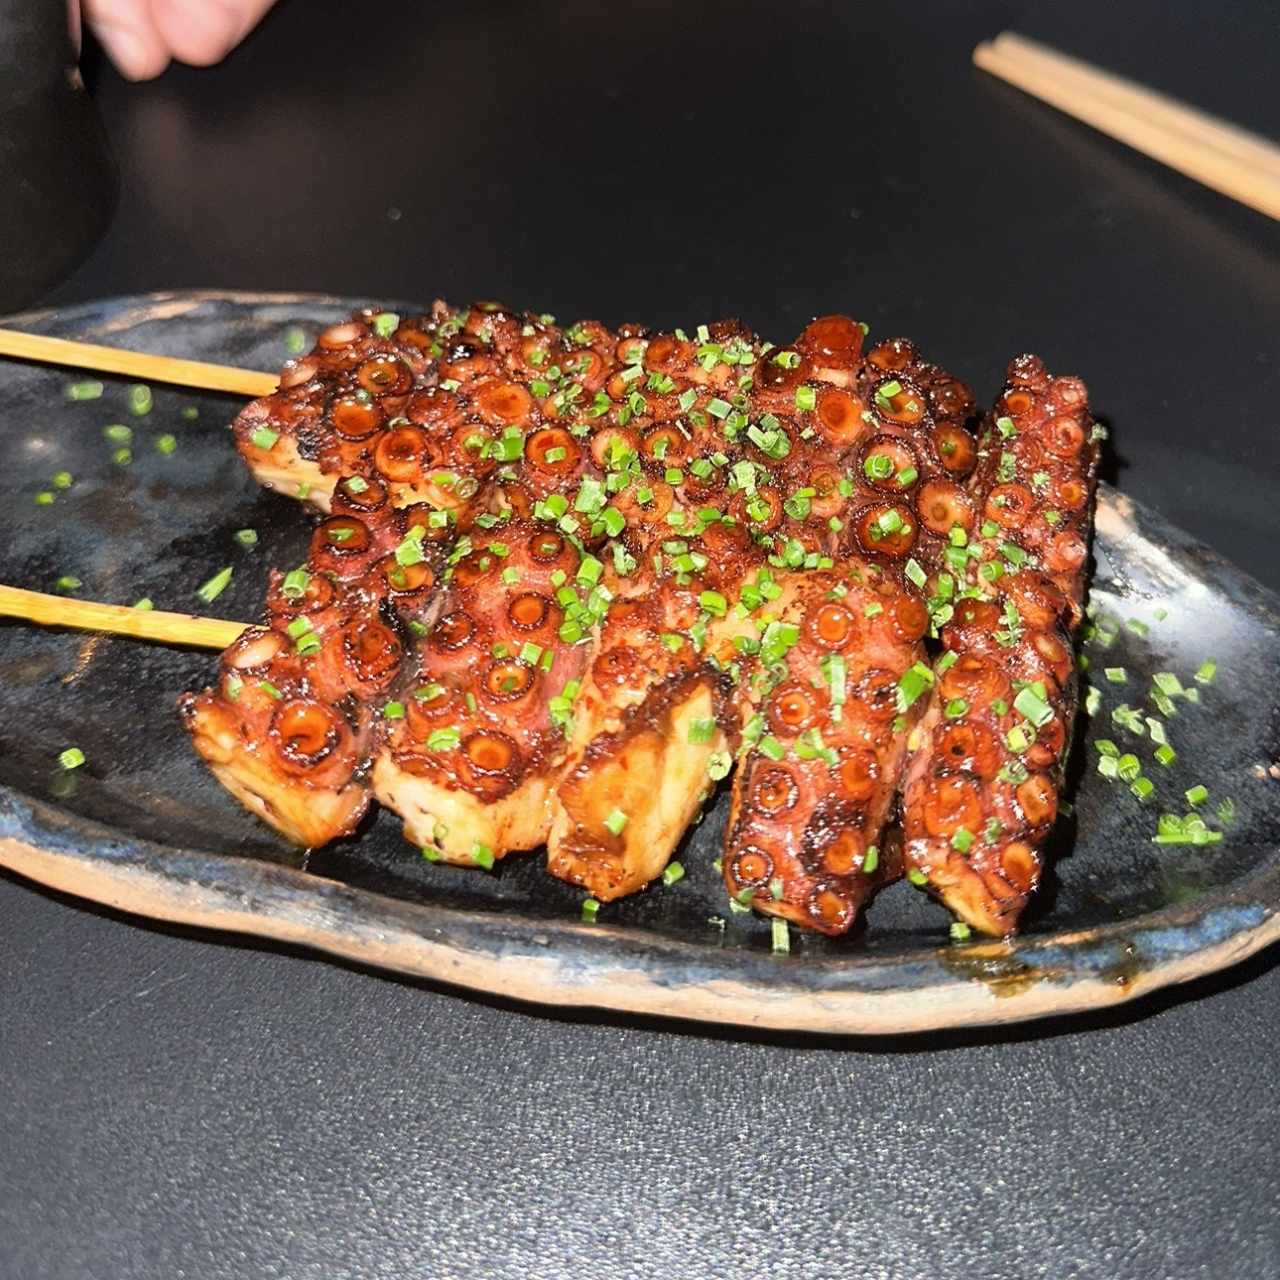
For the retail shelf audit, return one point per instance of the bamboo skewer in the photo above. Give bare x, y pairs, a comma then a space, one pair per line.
136, 364
145, 624
1223, 156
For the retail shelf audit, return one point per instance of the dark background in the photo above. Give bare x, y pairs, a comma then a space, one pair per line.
181, 1104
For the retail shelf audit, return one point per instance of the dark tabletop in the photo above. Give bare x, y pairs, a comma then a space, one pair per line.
180, 1104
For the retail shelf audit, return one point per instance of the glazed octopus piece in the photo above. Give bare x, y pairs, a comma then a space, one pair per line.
981, 788
843, 668
646, 726
293, 723
470, 760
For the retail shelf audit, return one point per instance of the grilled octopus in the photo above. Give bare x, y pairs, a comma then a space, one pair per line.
568, 578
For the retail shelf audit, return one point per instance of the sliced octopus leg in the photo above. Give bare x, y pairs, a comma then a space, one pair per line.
981, 788
471, 765
646, 727
824, 746
296, 716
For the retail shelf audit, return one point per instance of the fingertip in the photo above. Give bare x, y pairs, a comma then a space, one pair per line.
137, 55
200, 32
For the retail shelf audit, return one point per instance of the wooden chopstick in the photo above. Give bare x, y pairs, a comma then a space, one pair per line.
145, 624
136, 364
1223, 156
1157, 107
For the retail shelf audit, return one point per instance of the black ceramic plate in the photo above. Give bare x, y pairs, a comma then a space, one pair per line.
142, 826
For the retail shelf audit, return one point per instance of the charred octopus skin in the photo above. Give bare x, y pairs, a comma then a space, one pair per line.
578, 572
981, 788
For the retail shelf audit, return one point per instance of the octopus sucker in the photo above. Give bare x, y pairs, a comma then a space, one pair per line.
565, 579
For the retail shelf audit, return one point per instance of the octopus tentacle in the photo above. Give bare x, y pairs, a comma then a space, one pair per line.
981, 787
823, 747
470, 765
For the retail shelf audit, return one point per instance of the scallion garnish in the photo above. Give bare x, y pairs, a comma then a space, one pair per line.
216, 585
71, 758
781, 935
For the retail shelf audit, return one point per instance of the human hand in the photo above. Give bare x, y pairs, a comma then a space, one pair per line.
142, 36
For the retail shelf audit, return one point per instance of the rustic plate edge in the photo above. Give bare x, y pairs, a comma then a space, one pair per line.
285, 910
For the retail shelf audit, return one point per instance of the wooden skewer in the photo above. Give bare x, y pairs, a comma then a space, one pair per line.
136, 364
145, 624
1229, 159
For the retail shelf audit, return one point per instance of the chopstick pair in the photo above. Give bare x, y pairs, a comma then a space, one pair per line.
1223, 156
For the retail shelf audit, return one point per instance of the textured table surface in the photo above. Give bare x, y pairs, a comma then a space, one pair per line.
180, 1104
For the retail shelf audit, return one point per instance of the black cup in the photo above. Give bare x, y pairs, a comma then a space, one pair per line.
57, 182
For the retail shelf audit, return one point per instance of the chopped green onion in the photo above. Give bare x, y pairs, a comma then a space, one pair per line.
71, 758
702, 731
216, 585
1128, 767
44, 498
166, 444
140, 400
590, 909
385, 323
616, 821
264, 437
482, 856
962, 840
917, 877
959, 930
870, 859
144, 604
247, 537
672, 873
1197, 795
1166, 755
1142, 788
781, 934
118, 433
1033, 706
1116, 675
89, 389
1207, 670
443, 739
718, 765
68, 582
